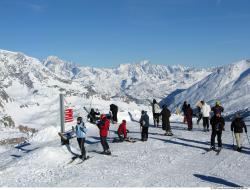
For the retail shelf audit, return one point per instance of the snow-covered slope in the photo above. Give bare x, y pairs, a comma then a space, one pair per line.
229, 84
26, 86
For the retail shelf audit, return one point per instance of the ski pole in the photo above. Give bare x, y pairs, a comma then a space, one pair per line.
233, 138
248, 139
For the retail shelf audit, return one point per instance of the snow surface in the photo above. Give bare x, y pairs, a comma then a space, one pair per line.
162, 161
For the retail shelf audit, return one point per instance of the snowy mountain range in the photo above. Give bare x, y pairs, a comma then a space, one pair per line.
228, 84
138, 82
26, 83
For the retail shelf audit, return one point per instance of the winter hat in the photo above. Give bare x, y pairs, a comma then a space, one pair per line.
142, 112
124, 121
103, 116
217, 103
79, 119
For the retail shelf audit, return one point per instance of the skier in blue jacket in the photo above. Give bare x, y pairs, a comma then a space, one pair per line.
81, 131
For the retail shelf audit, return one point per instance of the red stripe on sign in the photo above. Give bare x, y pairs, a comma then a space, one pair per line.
69, 115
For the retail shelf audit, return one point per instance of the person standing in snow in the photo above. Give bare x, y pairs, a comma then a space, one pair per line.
205, 110
189, 117
199, 114
217, 108
165, 120
92, 115
217, 122
81, 131
114, 110
144, 122
156, 112
103, 125
122, 131
237, 126
184, 110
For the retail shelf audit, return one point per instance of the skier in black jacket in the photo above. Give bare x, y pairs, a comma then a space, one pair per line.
144, 123
184, 110
237, 126
92, 116
165, 120
114, 110
217, 122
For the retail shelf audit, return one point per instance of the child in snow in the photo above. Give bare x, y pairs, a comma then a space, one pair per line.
81, 131
122, 131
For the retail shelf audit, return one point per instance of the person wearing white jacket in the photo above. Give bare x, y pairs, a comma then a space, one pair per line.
156, 113
205, 111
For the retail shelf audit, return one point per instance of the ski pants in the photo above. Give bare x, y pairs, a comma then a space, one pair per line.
156, 118
206, 122
185, 119
121, 137
199, 118
190, 123
144, 133
213, 135
114, 114
81, 142
104, 143
238, 139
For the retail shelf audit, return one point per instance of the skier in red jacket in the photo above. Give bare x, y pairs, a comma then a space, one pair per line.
103, 125
122, 131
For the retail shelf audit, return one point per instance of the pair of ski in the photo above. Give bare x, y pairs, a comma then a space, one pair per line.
215, 150
78, 157
100, 152
117, 140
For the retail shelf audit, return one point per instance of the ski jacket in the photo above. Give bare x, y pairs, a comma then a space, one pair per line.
184, 109
205, 110
92, 115
156, 108
189, 113
104, 127
144, 121
217, 123
122, 129
217, 109
165, 116
81, 130
113, 108
237, 125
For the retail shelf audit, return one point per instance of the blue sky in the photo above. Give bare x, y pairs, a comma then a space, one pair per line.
105, 33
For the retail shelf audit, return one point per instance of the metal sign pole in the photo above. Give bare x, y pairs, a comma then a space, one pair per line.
62, 113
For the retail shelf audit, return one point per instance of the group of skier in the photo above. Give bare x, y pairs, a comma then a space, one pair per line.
217, 122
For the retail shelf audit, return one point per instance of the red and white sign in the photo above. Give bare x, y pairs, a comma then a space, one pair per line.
68, 115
